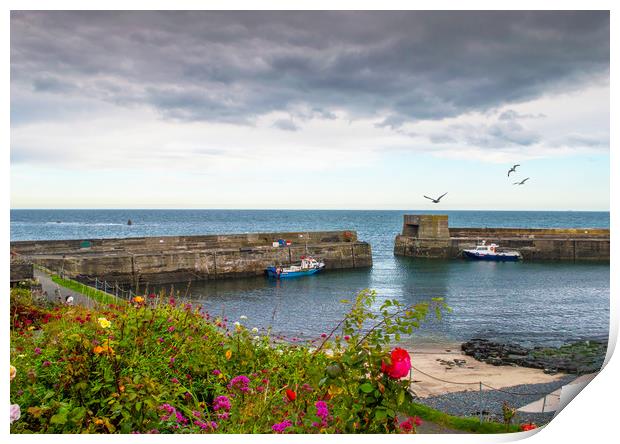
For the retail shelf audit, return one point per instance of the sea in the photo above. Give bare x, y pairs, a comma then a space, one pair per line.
530, 303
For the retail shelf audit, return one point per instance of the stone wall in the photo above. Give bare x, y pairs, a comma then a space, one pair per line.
562, 244
181, 258
21, 271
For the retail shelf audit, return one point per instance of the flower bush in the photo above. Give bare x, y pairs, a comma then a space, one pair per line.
158, 365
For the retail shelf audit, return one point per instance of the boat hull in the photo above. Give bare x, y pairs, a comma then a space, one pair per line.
271, 272
499, 257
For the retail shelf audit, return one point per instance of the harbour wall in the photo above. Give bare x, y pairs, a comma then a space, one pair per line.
167, 259
429, 236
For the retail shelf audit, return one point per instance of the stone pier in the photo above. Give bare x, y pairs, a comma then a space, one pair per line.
429, 236
167, 259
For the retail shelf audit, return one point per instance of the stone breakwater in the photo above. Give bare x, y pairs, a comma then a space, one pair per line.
167, 259
577, 358
429, 236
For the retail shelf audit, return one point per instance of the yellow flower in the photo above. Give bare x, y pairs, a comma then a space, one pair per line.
228, 354
104, 322
13, 372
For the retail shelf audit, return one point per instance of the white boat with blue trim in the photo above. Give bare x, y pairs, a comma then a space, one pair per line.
307, 267
486, 252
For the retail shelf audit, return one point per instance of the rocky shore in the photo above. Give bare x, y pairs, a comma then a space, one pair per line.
576, 358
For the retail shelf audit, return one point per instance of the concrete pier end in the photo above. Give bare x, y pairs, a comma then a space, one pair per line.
430, 236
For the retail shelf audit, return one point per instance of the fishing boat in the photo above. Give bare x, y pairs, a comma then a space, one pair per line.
308, 266
486, 252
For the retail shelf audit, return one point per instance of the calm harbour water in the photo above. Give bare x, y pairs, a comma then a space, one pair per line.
530, 303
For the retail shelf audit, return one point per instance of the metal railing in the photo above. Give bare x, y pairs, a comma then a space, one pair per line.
483, 388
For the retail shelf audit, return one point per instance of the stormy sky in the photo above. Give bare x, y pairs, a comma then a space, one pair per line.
369, 109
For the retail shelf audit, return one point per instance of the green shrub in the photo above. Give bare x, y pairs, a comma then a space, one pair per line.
160, 366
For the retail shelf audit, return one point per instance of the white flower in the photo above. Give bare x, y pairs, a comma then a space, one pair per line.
255, 330
237, 324
242, 317
256, 338
15, 412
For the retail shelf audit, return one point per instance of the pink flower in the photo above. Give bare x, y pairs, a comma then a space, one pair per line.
281, 426
347, 337
180, 417
221, 403
174, 380
171, 328
204, 425
37, 351
240, 382
400, 364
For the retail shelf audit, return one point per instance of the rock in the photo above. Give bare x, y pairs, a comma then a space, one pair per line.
576, 358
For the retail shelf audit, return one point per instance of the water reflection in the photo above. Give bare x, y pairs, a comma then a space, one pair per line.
533, 303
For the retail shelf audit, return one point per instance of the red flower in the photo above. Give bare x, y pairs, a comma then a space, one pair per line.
291, 395
529, 426
400, 364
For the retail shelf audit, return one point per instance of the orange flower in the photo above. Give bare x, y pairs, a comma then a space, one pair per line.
138, 299
228, 354
105, 349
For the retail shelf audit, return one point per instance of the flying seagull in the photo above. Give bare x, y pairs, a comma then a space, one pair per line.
522, 182
513, 169
436, 200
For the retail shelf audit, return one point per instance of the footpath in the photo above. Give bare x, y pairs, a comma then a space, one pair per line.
56, 293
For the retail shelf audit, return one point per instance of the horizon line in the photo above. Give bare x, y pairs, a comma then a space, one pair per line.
297, 209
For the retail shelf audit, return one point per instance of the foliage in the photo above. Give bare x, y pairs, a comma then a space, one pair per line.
159, 366
509, 413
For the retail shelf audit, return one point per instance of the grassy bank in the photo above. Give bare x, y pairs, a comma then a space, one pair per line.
465, 424
97, 295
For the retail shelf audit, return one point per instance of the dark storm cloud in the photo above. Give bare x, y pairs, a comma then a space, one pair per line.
237, 66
